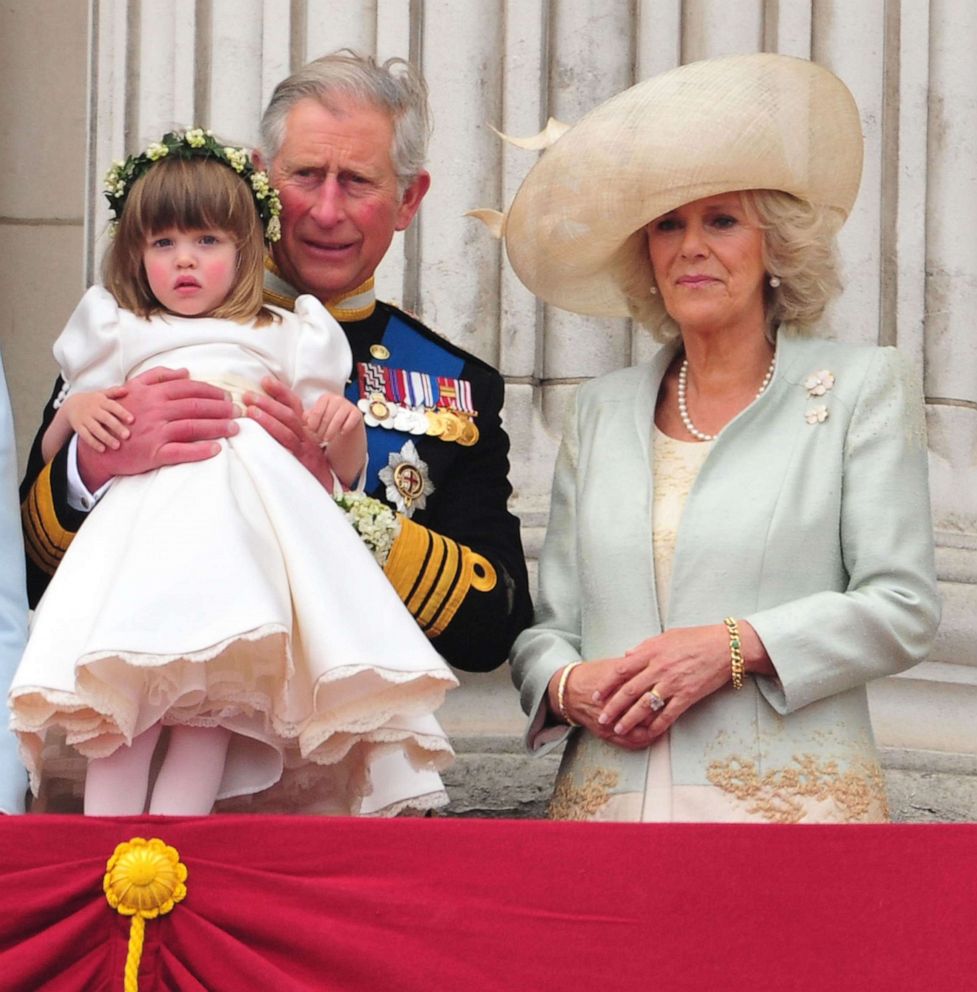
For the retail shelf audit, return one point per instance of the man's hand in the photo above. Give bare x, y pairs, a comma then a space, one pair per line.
279, 411
175, 419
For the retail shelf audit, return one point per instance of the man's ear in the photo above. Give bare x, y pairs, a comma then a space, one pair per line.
412, 199
258, 160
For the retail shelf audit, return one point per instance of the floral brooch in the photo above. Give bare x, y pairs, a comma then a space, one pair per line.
817, 384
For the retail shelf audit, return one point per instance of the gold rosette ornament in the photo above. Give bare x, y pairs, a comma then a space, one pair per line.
143, 879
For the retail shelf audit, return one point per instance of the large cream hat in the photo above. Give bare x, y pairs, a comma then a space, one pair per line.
744, 122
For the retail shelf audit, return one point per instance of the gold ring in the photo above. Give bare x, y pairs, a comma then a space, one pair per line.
654, 700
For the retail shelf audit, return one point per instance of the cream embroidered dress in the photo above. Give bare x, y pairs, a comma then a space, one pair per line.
676, 465
233, 592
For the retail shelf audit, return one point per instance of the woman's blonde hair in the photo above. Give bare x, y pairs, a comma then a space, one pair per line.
799, 247
188, 194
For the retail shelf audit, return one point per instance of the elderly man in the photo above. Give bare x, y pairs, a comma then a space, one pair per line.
344, 140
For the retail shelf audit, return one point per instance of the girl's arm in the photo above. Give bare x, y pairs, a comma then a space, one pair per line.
340, 429
95, 417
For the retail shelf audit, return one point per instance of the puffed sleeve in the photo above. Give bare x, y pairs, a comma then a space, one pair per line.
13, 608
89, 349
554, 639
886, 619
323, 360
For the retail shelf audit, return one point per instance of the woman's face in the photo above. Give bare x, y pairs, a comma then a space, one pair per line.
707, 257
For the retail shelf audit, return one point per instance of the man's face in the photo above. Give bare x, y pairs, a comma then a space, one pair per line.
340, 202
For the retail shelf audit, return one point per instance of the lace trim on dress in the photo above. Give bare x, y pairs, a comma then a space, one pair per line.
247, 685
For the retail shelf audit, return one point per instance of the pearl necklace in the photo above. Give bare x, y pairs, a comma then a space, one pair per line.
683, 410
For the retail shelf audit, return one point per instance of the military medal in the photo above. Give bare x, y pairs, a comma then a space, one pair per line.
416, 402
418, 420
378, 407
435, 426
469, 432
452, 426
407, 480
377, 412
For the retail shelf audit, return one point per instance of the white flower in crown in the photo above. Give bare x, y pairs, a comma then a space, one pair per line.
114, 183
274, 230
260, 184
156, 151
238, 157
817, 414
196, 138
818, 383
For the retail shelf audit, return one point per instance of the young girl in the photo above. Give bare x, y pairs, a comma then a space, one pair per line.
227, 600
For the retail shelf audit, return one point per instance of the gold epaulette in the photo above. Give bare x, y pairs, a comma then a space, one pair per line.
433, 574
45, 539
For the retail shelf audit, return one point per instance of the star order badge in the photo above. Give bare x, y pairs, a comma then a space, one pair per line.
407, 480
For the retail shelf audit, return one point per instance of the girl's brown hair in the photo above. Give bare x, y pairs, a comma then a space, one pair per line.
187, 194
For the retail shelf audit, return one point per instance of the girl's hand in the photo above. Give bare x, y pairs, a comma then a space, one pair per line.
333, 417
279, 411
339, 426
98, 419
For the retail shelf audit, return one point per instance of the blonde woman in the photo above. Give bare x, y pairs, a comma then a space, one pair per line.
740, 532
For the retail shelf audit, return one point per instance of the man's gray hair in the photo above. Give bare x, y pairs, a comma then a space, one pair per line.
395, 87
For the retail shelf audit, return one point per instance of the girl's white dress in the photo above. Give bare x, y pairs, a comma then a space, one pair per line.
233, 592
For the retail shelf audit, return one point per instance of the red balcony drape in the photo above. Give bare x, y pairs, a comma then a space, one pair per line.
276, 904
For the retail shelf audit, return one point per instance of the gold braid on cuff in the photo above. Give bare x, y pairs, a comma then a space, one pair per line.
736, 663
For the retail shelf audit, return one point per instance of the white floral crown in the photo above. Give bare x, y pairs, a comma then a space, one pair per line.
195, 143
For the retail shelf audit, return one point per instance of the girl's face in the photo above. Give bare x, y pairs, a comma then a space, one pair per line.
190, 272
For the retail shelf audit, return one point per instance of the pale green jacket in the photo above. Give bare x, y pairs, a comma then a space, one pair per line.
818, 533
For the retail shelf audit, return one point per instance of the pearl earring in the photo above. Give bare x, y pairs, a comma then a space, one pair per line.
652, 290
774, 281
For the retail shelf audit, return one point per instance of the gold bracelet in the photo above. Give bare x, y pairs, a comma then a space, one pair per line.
736, 663
560, 692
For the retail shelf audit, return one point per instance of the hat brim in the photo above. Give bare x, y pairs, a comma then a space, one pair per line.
745, 122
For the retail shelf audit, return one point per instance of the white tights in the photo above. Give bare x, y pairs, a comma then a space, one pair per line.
186, 785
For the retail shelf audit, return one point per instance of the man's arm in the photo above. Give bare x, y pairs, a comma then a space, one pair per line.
462, 573
175, 419
459, 566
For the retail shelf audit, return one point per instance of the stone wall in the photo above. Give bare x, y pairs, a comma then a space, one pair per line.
908, 249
